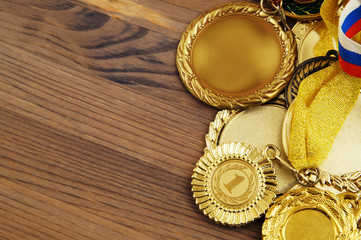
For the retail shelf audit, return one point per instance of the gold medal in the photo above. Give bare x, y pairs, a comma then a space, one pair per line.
312, 214
307, 212
258, 126
235, 56
234, 184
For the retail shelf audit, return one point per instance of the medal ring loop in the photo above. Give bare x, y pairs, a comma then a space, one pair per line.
270, 12
271, 152
308, 177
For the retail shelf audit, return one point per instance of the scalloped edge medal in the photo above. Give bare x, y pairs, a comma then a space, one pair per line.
236, 56
234, 184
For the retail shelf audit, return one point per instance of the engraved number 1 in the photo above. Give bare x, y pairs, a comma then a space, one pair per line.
234, 182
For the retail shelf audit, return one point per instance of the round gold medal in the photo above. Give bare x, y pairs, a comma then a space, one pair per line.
236, 56
312, 214
234, 184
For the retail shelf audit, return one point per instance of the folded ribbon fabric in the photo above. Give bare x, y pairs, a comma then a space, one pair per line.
325, 98
349, 49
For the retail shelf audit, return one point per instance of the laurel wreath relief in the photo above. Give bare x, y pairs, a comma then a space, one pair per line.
350, 181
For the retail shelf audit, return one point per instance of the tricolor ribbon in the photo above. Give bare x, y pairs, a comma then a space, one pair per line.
350, 50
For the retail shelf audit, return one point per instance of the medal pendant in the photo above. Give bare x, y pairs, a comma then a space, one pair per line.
312, 214
234, 184
235, 56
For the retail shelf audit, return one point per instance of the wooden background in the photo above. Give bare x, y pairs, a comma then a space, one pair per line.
98, 136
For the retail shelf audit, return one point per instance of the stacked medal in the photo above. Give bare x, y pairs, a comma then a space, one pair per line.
286, 143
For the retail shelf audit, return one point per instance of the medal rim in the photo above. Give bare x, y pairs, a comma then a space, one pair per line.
305, 69
315, 198
228, 214
269, 91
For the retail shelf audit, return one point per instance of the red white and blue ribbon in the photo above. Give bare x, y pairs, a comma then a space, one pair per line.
350, 50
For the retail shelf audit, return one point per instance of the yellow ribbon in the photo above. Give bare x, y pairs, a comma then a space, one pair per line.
327, 40
323, 102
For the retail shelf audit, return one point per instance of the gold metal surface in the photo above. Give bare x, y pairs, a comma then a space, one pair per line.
228, 55
234, 184
235, 56
310, 224
258, 126
307, 35
353, 200
312, 214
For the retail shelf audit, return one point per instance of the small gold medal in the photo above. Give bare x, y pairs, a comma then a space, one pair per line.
234, 184
312, 214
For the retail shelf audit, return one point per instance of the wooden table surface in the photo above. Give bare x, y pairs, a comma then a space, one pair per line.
98, 135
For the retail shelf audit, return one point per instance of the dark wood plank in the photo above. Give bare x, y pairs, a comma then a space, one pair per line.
98, 135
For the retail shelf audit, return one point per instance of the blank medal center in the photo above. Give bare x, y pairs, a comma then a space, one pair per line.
237, 54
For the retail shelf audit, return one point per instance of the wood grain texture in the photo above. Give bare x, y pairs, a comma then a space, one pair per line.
98, 136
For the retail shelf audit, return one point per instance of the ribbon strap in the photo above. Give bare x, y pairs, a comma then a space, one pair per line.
326, 97
350, 50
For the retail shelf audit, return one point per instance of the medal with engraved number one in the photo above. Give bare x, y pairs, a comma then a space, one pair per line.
234, 184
